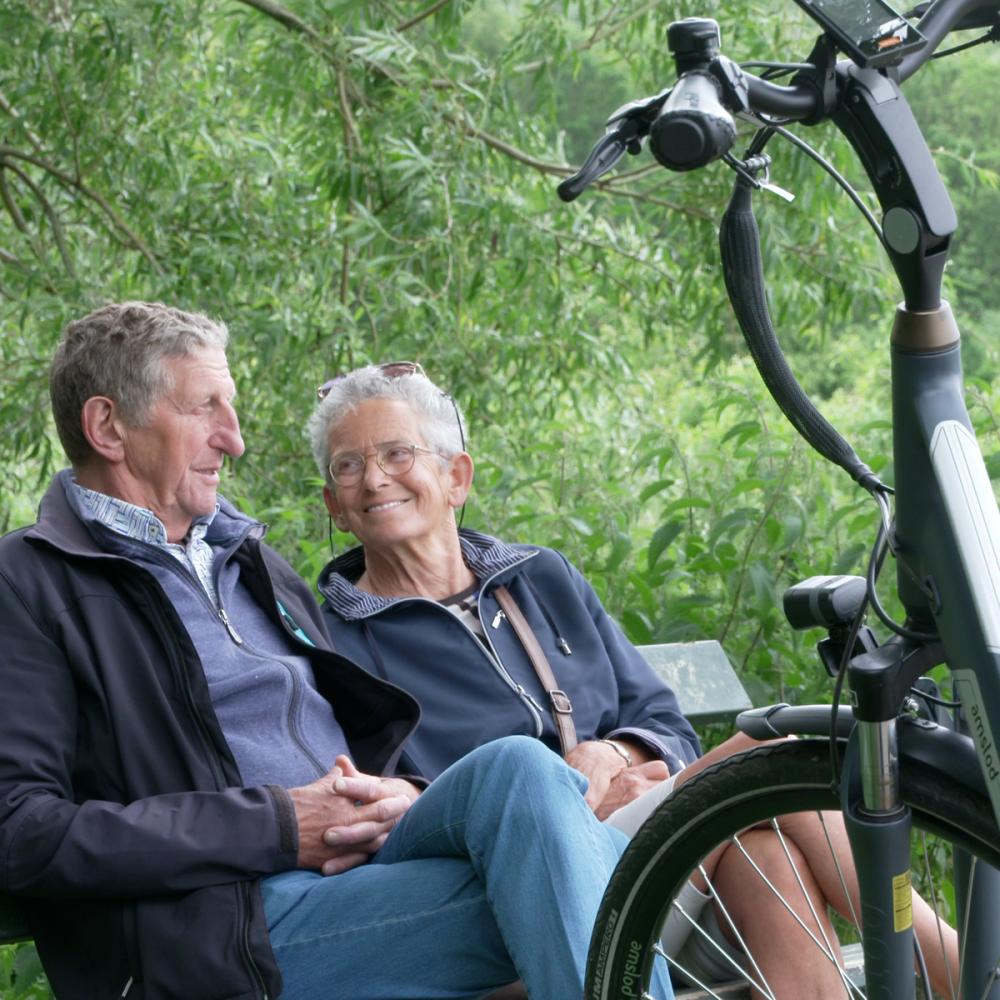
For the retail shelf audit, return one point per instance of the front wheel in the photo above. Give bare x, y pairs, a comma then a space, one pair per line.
740, 800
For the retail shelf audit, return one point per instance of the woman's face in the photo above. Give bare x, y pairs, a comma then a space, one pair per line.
383, 510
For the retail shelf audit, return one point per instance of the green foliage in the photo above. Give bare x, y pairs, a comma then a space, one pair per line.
21, 976
344, 182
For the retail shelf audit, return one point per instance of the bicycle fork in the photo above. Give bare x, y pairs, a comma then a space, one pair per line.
878, 826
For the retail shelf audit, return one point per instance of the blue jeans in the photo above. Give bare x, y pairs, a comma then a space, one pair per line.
494, 874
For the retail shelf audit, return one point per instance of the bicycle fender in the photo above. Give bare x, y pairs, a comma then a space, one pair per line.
921, 743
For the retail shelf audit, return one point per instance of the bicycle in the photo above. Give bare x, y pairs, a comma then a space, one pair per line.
895, 758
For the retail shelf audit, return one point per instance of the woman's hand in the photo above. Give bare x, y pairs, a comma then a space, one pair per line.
346, 816
629, 783
599, 763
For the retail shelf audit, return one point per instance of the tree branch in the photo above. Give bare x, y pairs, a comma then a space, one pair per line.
610, 186
6, 152
12, 207
594, 39
428, 12
9, 109
50, 214
285, 17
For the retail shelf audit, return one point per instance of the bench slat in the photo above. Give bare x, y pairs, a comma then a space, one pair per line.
702, 678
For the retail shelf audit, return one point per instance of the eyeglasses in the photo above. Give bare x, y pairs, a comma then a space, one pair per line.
391, 369
394, 458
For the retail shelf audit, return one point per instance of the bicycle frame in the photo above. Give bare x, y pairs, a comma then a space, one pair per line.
947, 542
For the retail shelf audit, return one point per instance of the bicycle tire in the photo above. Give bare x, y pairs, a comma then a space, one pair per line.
743, 790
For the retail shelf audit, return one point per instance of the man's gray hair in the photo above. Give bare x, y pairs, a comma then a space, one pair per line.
437, 413
118, 351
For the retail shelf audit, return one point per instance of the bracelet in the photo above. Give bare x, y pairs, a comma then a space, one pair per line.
622, 751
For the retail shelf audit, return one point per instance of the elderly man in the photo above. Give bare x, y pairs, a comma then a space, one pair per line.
183, 759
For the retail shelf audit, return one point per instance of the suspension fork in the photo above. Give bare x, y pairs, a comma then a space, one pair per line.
878, 827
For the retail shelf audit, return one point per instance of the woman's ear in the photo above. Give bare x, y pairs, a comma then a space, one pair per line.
333, 506
460, 472
102, 425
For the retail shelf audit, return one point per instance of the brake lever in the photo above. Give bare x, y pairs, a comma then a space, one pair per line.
626, 128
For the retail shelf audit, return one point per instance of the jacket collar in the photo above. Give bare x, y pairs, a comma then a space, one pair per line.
59, 524
486, 556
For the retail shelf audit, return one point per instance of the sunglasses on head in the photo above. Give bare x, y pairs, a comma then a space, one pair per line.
391, 369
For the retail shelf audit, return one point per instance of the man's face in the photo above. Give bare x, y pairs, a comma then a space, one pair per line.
172, 464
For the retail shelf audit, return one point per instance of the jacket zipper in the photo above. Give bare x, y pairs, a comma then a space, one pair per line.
491, 657
213, 758
215, 763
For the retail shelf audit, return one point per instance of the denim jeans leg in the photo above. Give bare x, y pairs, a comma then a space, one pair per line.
517, 812
416, 930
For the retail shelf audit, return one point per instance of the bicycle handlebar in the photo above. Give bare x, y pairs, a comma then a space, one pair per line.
690, 125
696, 118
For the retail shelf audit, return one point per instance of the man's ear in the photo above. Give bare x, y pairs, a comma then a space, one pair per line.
460, 472
104, 428
333, 506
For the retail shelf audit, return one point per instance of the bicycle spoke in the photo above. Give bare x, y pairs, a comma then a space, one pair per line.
938, 920
964, 923
829, 950
851, 987
739, 937
990, 982
840, 871
738, 970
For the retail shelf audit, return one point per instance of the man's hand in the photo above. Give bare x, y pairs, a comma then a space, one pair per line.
345, 816
629, 783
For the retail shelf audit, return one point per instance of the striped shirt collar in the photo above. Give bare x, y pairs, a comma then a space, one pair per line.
130, 520
484, 555
137, 524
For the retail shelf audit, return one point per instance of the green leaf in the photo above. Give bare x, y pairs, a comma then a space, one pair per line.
653, 488
662, 537
621, 546
27, 970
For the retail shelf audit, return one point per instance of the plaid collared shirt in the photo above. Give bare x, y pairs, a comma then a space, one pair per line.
143, 525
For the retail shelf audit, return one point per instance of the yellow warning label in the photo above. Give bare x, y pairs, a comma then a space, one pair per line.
902, 902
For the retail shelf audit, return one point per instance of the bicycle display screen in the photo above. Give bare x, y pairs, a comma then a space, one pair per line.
869, 31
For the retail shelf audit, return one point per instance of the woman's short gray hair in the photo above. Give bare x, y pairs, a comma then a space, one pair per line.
118, 351
441, 424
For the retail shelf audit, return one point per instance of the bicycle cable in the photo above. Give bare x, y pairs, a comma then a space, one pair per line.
814, 154
993, 35
851, 640
935, 699
871, 577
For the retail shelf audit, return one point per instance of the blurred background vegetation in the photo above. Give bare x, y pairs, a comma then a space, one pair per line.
345, 182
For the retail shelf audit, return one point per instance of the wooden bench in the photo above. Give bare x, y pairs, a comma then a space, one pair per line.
699, 672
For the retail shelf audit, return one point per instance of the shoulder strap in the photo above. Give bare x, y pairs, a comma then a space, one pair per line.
562, 709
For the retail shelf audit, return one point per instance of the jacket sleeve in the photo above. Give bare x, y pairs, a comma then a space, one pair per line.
52, 845
648, 711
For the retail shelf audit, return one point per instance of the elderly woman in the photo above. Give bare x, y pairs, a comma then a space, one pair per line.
495, 639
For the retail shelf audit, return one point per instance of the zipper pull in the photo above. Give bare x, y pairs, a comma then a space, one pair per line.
234, 635
496, 619
527, 697
564, 646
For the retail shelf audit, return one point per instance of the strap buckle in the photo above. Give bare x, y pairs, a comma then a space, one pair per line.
560, 702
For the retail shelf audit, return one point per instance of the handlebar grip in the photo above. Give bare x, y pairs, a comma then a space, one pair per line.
739, 242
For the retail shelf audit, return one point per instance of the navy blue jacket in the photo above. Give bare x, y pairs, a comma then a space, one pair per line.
469, 695
124, 825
